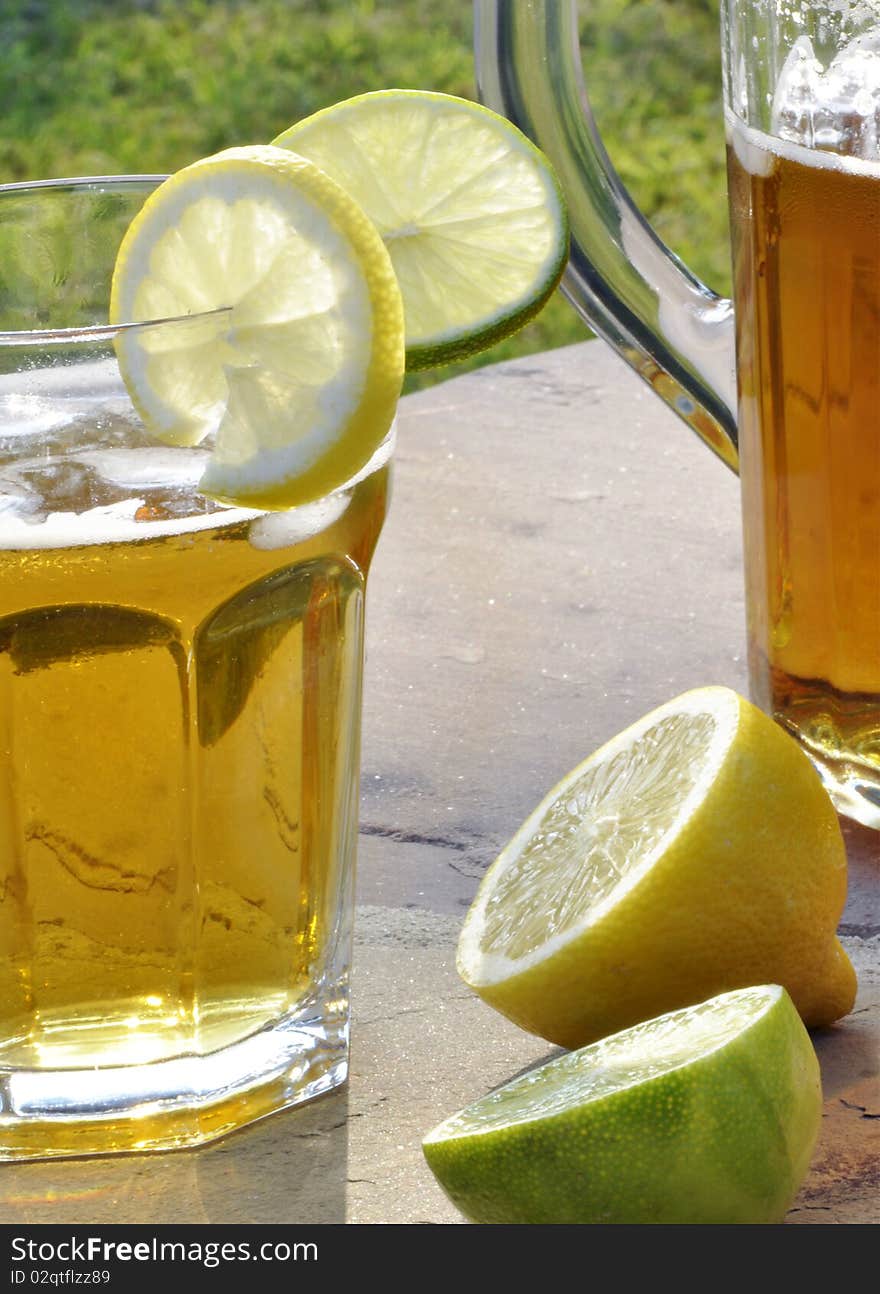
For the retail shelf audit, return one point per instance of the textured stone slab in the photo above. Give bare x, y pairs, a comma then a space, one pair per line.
561, 555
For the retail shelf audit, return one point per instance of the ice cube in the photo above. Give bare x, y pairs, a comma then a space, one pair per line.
25, 414
834, 109
797, 94
147, 467
18, 500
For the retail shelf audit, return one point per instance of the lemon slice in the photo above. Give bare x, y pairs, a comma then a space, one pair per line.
694, 853
469, 208
705, 1115
290, 356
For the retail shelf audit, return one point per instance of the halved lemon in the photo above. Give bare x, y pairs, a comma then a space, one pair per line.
694, 853
289, 357
470, 210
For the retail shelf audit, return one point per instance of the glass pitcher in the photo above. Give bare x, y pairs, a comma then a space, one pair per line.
784, 382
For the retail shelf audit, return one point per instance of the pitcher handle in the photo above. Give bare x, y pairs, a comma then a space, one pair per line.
621, 278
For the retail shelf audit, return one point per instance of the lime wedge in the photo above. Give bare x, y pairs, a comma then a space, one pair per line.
697, 851
705, 1115
469, 208
289, 359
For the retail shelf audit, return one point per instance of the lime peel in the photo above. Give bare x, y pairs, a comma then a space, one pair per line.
709, 1114
470, 209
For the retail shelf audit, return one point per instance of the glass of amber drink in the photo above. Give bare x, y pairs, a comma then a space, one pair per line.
802, 90
802, 335
180, 713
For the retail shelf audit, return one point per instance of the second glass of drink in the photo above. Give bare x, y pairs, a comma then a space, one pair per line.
801, 419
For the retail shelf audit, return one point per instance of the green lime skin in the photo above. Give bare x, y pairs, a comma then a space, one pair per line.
726, 1138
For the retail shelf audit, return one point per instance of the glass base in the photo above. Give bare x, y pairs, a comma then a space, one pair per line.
839, 731
854, 789
167, 1105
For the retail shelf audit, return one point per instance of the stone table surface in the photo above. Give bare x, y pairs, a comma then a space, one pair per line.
561, 555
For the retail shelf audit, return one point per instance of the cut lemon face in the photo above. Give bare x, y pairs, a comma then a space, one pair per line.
288, 359
704, 1115
694, 853
469, 209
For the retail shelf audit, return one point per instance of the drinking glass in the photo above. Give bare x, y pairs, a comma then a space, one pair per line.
180, 696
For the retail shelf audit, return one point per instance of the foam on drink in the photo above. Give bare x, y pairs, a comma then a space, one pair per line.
81, 471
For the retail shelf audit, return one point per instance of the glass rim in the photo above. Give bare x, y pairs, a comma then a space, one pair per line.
89, 333
81, 181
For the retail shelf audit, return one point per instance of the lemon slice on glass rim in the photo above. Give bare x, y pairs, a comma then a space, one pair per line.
291, 369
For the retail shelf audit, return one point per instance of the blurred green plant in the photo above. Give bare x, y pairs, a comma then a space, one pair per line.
108, 86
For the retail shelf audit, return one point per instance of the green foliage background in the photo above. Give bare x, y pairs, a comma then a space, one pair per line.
106, 86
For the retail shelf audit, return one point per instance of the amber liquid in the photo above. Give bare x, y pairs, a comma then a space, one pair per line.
179, 722
806, 249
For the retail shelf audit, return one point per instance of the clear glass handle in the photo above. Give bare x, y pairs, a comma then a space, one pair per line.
673, 330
